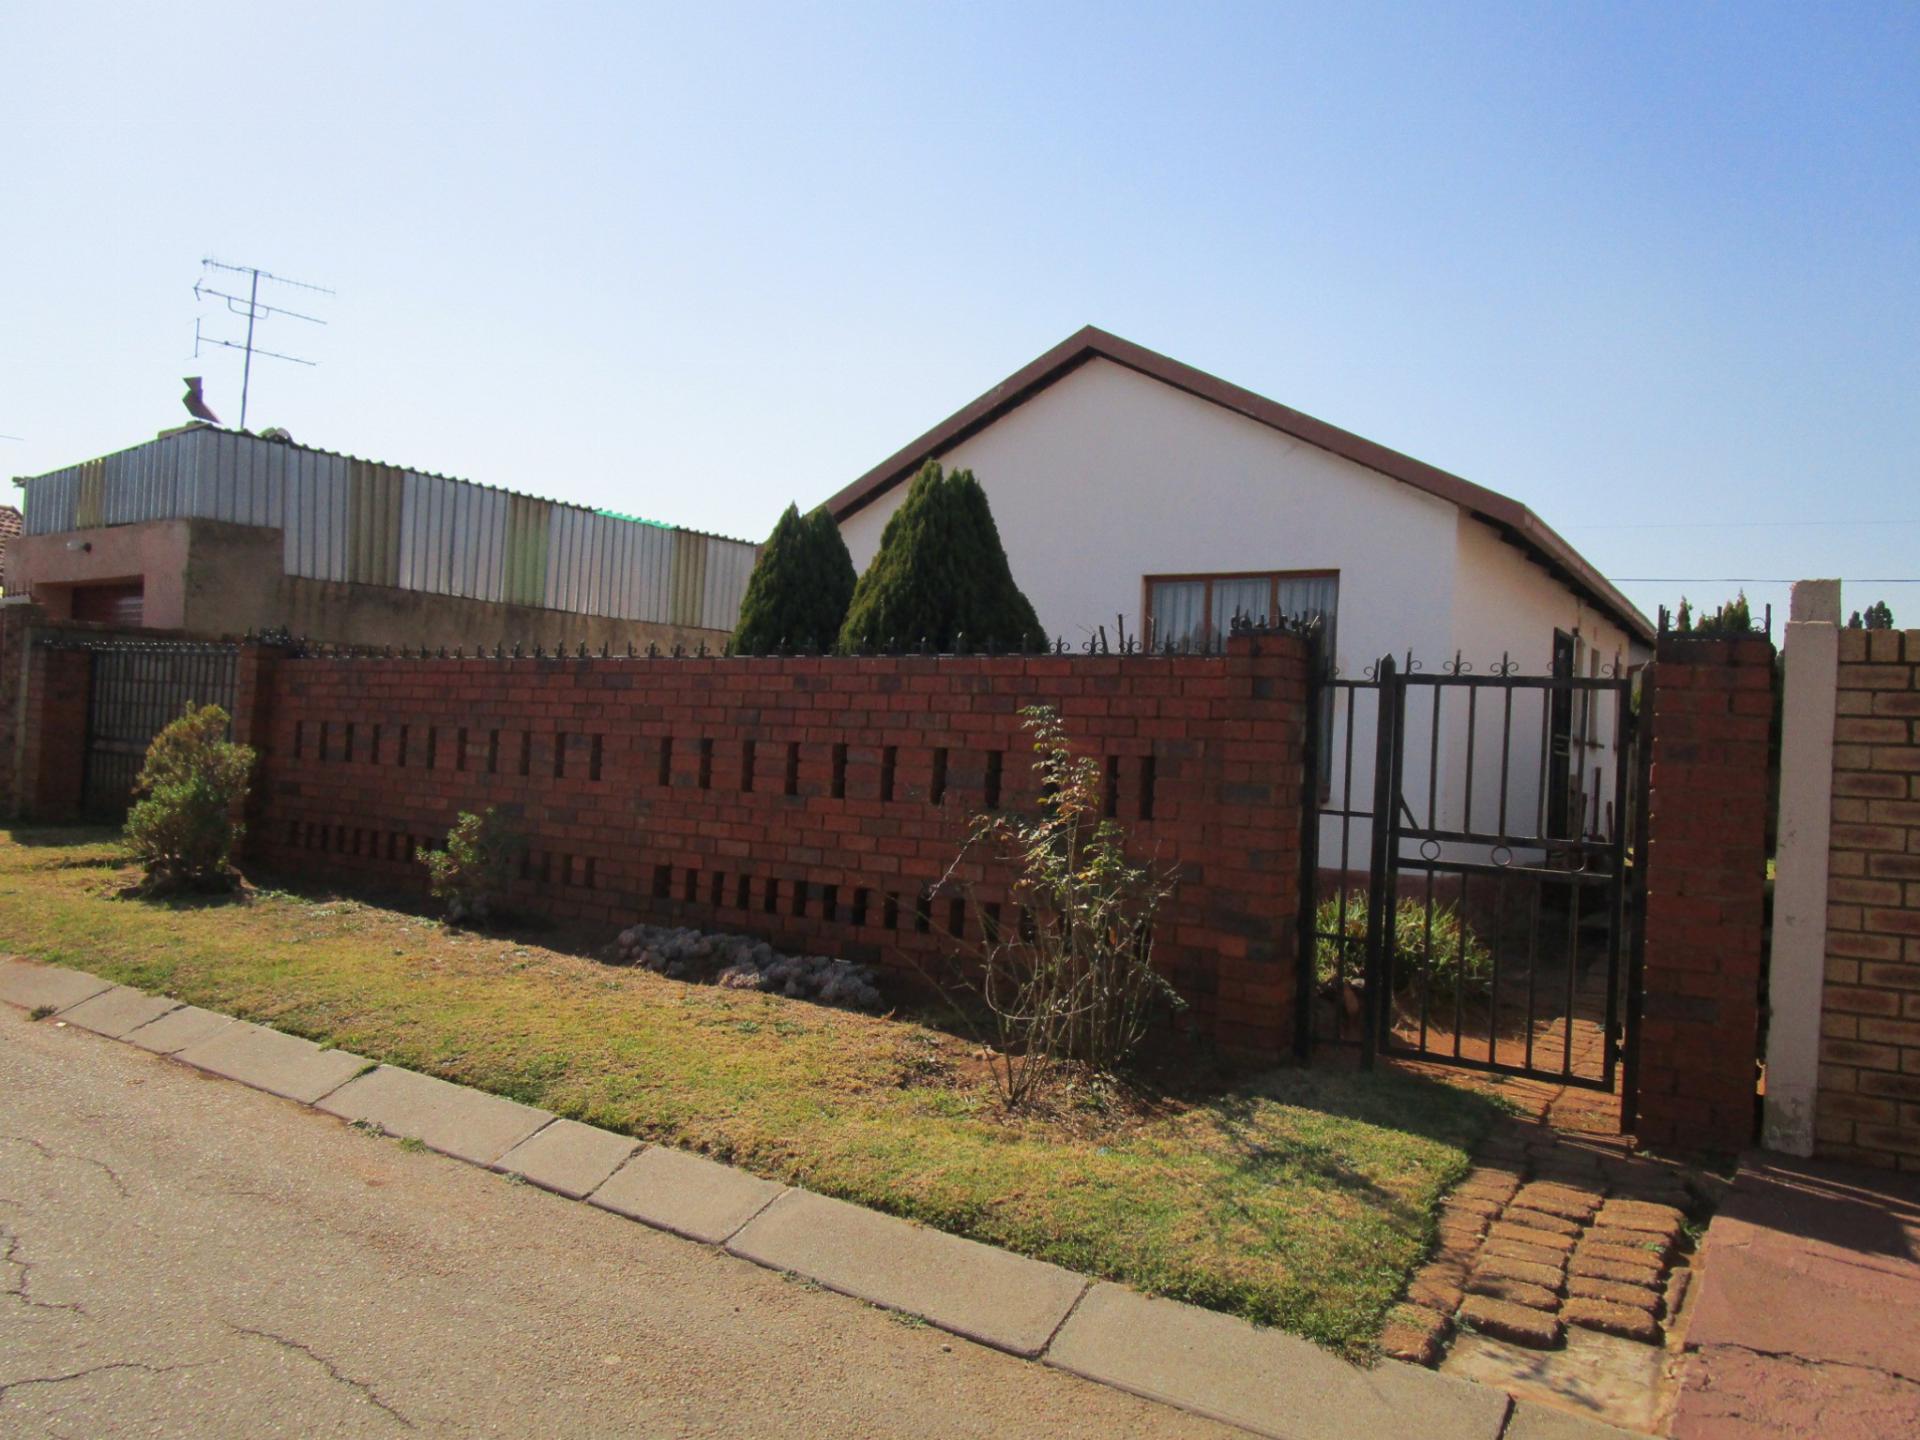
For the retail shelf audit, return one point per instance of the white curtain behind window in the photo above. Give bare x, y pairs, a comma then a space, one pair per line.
1304, 596
1178, 611
1179, 607
1250, 599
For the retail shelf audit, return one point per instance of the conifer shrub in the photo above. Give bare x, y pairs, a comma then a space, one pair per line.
941, 576
1734, 618
181, 827
801, 585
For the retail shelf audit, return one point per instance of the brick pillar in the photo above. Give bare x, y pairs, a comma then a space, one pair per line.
1253, 845
16, 638
255, 679
53, 741
1706, 892
1868, 1109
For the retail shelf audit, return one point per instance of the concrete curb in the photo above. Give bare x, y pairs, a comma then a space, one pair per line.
986, 1295
1214, 1365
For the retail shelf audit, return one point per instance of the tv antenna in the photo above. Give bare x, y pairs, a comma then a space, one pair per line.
253, 311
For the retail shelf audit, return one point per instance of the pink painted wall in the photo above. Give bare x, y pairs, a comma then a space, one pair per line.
155, 553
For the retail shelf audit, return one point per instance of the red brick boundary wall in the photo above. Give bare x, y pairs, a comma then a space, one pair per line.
1868, 1106
16, 634
814, 801
1706, 892
53, 745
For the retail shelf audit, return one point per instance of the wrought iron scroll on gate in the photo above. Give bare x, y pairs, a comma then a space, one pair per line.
1468, 879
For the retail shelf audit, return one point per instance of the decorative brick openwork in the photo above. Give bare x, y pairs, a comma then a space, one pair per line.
1706, 892
1868, 1108
815, 801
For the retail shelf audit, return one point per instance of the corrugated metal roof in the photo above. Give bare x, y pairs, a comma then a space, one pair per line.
349, 519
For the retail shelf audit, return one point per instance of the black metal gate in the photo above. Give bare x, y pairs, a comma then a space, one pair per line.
1468, 883
137, 688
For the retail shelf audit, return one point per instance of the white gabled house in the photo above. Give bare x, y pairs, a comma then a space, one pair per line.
1132, 489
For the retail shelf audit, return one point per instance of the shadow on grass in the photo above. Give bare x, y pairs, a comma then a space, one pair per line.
1386, 1101
234, 897
514, 928
1177, 1072
69, 837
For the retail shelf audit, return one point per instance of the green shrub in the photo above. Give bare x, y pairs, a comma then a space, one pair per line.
181, 827
1879, 616
1733, 618
470, 875
800, 587
1455, 953
941, 575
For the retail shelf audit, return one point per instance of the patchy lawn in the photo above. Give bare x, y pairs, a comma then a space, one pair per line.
1299, 1199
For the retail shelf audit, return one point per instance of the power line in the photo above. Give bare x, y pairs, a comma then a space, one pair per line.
1741, 580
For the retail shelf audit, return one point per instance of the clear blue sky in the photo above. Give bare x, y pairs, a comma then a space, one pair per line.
1634, 265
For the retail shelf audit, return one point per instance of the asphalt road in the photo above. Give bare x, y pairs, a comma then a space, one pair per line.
186, 1257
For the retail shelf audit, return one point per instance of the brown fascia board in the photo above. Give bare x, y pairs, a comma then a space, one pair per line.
1514, 521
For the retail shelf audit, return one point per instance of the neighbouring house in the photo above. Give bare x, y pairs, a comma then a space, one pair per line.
1134, 491
217, 532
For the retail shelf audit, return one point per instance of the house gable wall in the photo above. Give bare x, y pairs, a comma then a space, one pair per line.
1107, 476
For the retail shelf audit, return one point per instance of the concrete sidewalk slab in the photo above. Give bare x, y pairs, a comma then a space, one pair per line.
1543, 1422
467, 1124
31, 986
999, 1299
687, 1194
568, 1158
1273, 1384
113, 1012
178, 1029
1803, 1294
283, 1065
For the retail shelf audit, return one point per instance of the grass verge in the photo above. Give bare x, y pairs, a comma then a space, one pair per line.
1297, 1198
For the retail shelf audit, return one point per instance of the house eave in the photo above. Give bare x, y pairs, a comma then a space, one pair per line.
1513, 520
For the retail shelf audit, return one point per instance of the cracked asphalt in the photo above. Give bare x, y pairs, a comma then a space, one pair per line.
183, 1256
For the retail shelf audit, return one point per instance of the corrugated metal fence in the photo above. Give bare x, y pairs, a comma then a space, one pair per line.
348, 519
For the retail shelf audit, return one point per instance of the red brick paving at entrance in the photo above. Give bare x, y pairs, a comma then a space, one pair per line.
1806, 1320
1802, 1305
1558, 1223
1536, 1031
1562, 1260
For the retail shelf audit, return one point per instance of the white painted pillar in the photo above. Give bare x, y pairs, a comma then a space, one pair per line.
1797, 967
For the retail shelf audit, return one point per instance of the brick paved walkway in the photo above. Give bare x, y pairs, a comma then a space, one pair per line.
1559, 1223
1537, 1029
